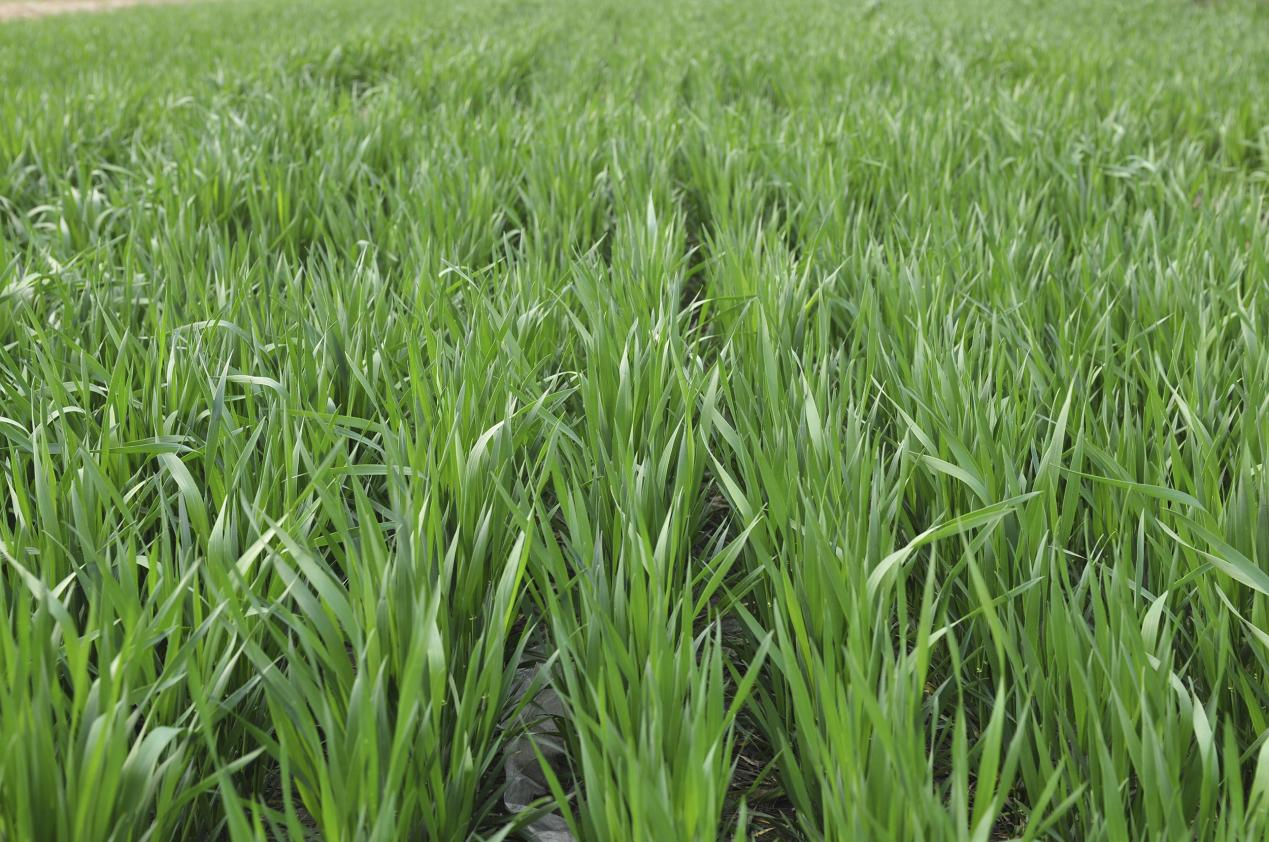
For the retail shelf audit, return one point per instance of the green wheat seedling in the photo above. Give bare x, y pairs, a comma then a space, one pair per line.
635, 421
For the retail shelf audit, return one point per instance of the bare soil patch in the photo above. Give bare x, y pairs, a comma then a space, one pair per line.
33, 9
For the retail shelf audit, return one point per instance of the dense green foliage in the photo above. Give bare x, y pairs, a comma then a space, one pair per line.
857, 414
